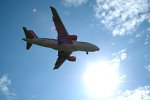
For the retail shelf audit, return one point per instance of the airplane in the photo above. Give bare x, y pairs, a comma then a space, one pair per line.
65, 44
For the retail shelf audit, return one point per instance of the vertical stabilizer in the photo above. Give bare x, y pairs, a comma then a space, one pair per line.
29, 35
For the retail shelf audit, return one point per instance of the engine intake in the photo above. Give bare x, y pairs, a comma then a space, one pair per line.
72, 58
73, 37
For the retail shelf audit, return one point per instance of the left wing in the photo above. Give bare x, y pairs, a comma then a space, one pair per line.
63, 37
62, 56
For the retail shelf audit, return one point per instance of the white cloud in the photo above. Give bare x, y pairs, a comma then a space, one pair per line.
123, 56
147, 39
113, 43
119, 56
115, 62
122, 16
148, 68
147, 57
138, 35
74, 2
33, 97
131, 41
142, 93
146, 42
122, 78
4, 83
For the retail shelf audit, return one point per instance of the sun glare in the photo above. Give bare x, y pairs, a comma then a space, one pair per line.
101, 79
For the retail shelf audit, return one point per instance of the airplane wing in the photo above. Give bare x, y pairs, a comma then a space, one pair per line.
61, 30
62, 56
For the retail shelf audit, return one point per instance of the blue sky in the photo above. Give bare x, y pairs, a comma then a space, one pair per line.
119, 71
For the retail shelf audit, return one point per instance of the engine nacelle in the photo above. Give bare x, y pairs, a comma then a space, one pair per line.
73, 37
72, 58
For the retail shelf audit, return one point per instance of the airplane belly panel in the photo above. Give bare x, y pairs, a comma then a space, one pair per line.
84, 46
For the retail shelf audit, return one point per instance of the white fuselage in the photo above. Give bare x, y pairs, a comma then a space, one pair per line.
53, 43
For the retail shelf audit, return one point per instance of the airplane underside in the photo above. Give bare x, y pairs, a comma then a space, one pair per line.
53, 43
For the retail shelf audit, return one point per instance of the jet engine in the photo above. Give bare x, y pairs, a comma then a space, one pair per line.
72, 58
73, 37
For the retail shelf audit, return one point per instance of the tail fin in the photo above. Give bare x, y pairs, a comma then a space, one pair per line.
29, 35
33, 35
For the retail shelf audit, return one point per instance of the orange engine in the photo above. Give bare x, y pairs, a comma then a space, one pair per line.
72, 58
73, 37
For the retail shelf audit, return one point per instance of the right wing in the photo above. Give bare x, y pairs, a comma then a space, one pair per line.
62, 56
63, 37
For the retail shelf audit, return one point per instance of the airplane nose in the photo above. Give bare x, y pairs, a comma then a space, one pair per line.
97, 48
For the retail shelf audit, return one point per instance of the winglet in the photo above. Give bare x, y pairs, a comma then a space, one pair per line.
54, 68
51, 7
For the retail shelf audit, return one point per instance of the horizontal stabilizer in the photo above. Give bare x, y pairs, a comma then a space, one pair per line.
28, 45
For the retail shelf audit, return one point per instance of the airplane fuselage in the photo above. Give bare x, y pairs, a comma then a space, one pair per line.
53, 43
